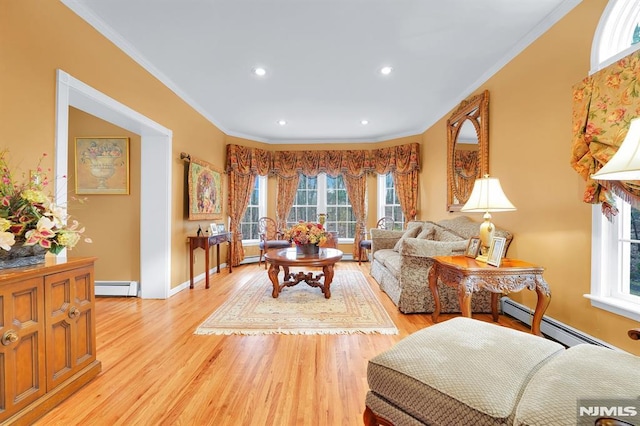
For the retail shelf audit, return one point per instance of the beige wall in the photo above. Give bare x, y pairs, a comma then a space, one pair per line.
530, 133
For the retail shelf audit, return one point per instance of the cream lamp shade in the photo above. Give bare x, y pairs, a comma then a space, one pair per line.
625, 164
487, 196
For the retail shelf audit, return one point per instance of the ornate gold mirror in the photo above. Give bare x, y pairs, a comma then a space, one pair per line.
467, 148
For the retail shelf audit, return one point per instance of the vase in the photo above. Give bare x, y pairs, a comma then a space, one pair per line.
308, 249
21, 255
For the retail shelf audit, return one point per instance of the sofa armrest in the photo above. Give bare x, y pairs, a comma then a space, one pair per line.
429, 248
384, 239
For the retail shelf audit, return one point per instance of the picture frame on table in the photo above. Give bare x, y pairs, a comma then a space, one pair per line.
102, 165
213, 229
496, 249
473, 248
221, 228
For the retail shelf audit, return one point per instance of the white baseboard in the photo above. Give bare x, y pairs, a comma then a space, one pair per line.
550, 327
116, 288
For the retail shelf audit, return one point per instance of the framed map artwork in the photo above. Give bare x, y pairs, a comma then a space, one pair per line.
205, 191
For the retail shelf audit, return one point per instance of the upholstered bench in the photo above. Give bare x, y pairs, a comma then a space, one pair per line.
468, 372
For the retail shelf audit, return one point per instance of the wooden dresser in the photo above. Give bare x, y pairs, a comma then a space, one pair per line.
47, 336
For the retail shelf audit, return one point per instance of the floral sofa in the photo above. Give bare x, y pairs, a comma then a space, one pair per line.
401, 261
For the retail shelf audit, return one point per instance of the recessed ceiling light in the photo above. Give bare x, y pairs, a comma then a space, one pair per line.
364, 122
259, 71
282, 122
386, 70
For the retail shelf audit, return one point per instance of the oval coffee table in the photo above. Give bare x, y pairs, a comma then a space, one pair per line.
285, 258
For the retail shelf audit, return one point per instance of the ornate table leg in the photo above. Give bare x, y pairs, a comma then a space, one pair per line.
494, 306
464, 298
544, 297
328, 278
273, 276
433, 286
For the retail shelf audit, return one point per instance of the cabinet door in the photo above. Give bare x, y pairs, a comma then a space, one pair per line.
70, 315
22, 340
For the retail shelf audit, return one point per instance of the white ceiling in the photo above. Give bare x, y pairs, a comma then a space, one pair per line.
322, 58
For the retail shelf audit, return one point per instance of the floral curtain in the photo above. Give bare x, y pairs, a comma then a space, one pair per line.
403, 162
603, 106
353, 165
357, 192
287, 188
466, 171
243, 165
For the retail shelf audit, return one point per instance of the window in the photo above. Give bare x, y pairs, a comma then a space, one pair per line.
324, 194
615, 262
255, 210
388, 202
339, 212
615, 275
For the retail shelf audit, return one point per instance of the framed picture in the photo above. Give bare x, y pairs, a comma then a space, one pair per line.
102, 165
473, 247
213, 228
220, 228
495, 250
205, 191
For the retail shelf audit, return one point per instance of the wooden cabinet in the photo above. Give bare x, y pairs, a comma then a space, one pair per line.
47, 336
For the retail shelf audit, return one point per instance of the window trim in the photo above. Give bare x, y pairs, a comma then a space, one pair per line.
321, 202
615, 26
604, 267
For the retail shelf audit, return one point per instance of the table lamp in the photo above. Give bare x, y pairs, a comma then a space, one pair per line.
487, 196
625, 163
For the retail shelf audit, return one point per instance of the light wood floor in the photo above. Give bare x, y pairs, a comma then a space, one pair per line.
155, 371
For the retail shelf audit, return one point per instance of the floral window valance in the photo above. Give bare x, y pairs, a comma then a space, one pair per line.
603, 106
402, 159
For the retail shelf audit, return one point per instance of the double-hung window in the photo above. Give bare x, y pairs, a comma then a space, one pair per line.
255, 210
388, 202
324, 194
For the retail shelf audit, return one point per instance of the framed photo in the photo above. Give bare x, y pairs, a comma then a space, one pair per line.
213, 228
495, 250
205, 191
220, 228
102, 165
473, 247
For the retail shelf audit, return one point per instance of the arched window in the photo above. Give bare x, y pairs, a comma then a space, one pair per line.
615, 263
617, 34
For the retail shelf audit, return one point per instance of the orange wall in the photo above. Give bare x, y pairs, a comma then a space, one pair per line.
530, 133
530, 145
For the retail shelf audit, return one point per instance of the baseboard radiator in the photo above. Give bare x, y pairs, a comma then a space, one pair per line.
556, 330
116, 288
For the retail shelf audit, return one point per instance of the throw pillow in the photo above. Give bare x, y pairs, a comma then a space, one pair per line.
409, 233
427, 234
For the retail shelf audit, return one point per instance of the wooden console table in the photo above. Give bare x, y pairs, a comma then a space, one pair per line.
205, 242
469, 276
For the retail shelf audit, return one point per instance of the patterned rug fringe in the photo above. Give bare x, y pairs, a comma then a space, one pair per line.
301, 310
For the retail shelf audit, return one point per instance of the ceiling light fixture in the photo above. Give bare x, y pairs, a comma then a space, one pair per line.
386, 70
282, 122
259, 71
364, 122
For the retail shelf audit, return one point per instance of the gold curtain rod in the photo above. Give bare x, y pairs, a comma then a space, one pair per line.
186, 157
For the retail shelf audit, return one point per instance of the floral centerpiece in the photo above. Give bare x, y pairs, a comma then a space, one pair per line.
306, 233
28, 217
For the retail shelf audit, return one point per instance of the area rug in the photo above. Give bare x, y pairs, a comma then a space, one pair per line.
301, 309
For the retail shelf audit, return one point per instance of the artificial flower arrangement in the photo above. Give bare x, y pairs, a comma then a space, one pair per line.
306, 233
29, 217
